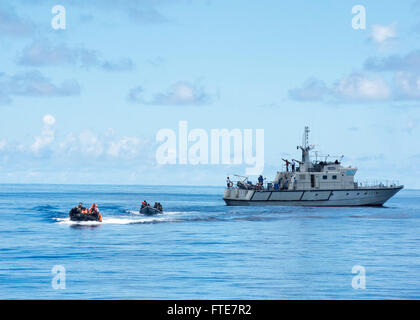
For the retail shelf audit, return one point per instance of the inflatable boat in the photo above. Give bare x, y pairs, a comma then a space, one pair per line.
76, 214
149, 210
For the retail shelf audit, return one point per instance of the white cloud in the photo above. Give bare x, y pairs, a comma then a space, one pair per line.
13, 25
381, 34
69, 145
407, 84
180, 93
126, 147
354, 87
48, 120
360, 87
90, 144
3, 144
47, 134
85, 149
409, 62
41, 52
311, 90
34, 83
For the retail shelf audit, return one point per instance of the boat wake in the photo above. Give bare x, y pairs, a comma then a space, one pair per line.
165, 213
111, 221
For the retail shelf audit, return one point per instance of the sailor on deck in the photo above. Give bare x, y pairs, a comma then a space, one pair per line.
229, 183
287, 163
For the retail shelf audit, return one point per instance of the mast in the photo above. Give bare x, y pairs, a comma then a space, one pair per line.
306, 160
306, 137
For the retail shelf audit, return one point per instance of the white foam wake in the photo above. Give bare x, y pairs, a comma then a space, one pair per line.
164, 213
111, 220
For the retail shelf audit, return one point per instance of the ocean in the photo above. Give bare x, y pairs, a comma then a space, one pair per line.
202, 249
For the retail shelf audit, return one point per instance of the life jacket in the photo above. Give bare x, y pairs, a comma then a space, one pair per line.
93, 208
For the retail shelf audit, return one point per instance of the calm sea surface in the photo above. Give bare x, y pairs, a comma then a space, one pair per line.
200, 248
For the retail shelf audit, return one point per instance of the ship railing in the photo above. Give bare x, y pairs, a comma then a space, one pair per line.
248, 185
240, 182
376, 184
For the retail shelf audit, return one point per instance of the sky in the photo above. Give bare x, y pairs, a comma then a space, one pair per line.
84, 104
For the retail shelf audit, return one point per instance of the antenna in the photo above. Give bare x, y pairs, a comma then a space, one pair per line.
306, 137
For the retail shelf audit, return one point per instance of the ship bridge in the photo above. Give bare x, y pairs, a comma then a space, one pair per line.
315, 174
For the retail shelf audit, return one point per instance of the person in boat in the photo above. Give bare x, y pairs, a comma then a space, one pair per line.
93, 208
158, 206
143, 204
81, 208
94, 211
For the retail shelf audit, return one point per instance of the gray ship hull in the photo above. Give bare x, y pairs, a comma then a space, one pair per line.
313, 198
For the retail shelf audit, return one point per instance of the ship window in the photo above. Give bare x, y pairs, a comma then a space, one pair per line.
334, 177
347, 194
324, 177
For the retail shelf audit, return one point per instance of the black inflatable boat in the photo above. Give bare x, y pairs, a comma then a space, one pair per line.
147, 210
76, 214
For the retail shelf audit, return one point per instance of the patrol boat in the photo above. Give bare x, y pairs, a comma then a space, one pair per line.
312, 183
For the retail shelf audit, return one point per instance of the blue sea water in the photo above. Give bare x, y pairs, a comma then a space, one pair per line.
200, 248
